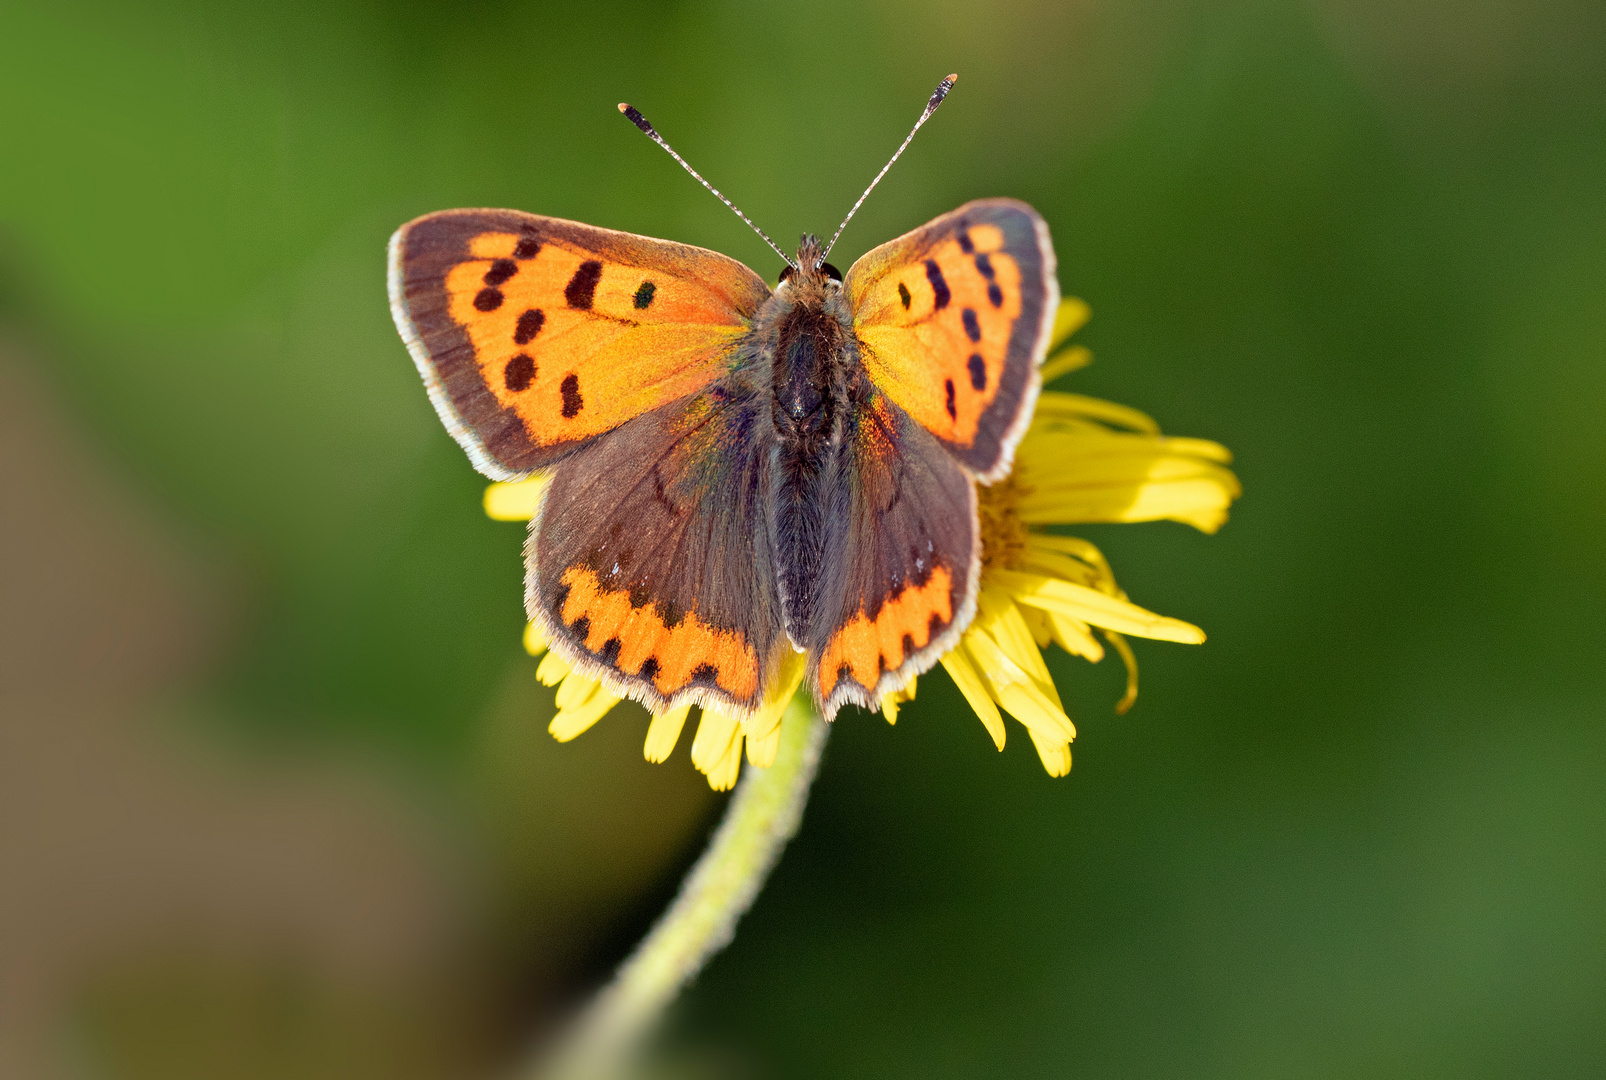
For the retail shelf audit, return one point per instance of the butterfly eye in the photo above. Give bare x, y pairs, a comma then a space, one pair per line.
786, 275
831, 272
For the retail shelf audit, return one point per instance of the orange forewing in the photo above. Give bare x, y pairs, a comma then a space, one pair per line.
952, 320
936, 343
536, 334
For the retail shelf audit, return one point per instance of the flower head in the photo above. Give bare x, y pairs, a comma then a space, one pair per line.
1082, 460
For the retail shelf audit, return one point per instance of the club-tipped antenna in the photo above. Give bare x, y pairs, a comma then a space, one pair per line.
633, 114
937, 95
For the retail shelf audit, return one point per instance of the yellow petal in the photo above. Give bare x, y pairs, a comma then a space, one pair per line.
1056, 755
719, 737
998, 617
1089, 475
1131, 662
553, 670
1072, 359
726, 771
763, 728
1074, 636
889, 707
970, 684
664, 732
571, 722
516, 500
1015, 690
1037, 622
1052, 405
891, 701
1053, 564
1072, 315
761, 749
1092, 606
534, 641
575, 690
1074, 546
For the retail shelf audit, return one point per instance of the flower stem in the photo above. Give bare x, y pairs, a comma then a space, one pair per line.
762, 816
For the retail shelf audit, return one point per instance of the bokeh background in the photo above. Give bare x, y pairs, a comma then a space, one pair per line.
276, 797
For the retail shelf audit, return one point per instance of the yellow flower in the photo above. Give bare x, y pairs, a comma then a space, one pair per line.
1082, 460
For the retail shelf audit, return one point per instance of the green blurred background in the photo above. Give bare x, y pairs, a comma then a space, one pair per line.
276, 798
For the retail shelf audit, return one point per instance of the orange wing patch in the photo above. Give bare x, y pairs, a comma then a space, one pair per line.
952, 321
864, 647
935, 332
575, 345
534, 335
636, 641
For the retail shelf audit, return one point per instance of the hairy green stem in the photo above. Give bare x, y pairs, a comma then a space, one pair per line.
763, 815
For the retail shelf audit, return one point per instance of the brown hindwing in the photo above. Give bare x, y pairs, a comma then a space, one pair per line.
648, 565
899, 576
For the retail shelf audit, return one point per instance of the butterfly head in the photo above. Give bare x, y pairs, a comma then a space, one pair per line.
810, 267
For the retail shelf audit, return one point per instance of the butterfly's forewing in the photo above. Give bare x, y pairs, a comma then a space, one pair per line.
898, 578
535, 334
953, 320
649, 565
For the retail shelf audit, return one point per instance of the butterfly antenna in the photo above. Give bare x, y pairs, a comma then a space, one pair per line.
634, 116
931, 106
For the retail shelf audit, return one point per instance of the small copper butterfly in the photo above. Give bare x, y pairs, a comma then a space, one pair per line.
737, 474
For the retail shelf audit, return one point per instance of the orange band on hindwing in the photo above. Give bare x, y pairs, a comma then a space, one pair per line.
636, 641
864, 647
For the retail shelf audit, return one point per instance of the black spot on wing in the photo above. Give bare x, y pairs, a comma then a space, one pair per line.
581, 628
953, 413
978, 371
519, 373
609, 653
964, 242
706, 674
572, 401
939, 285
649, 668
644, 295
529, 325
488, 299
583, 286
903, 294
527, 248
500, 271
994, 294
972, 327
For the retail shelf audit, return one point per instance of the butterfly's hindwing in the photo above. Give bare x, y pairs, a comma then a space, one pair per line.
648, 564
952, 321
900, 559
535, 334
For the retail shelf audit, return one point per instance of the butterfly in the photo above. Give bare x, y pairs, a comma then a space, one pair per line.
737, 474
